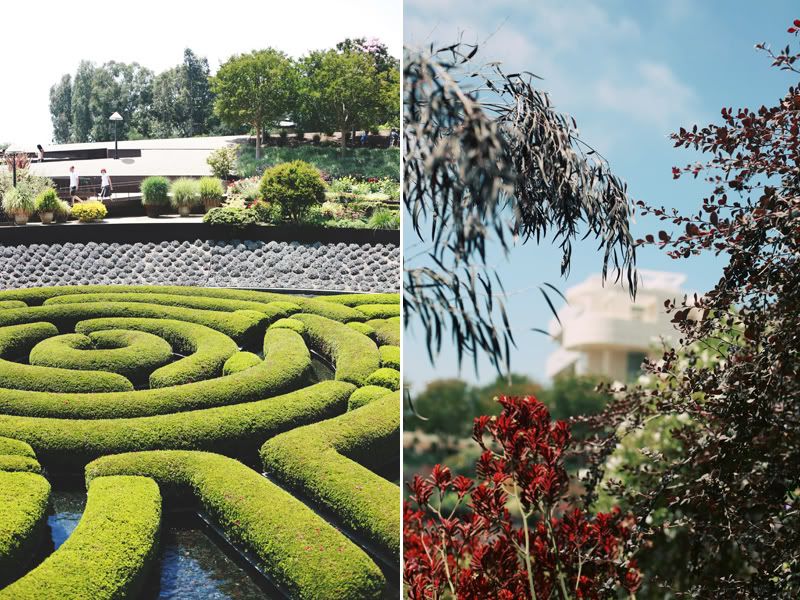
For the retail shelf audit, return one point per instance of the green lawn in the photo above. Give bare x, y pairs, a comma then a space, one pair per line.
359, 162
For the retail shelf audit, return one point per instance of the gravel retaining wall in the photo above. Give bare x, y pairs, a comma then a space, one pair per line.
246, 263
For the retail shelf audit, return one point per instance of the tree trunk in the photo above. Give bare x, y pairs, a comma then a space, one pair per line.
344, 141
258, 141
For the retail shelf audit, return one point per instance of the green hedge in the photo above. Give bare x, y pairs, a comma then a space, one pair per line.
205, 350
109, 553
12, 447
292, 324
24, 498
298, 549
317, 306
379, 311
390, 356
354, 354
17, 340
287, 365
385, 377
132, 354
235, 430
324, 462
244, 326
364, 395
12, 304
239, 362
387, 331
24, 464
362, 328
360, 299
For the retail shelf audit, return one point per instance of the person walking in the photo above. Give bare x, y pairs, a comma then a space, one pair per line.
106, 187
74, 182
40, 152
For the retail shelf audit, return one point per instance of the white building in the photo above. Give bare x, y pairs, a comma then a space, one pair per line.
603, 332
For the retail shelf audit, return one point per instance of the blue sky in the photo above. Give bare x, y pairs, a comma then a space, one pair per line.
630, 73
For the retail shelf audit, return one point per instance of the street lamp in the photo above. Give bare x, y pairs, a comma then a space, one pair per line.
115, 117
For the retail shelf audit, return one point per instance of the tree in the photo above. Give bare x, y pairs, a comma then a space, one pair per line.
448, 406
169, 113
486, 156
124, 88
199, 98
255, 89
341, 91
61, 110
733, 487
81, 99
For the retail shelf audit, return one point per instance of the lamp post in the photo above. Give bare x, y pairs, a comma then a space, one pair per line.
115, 117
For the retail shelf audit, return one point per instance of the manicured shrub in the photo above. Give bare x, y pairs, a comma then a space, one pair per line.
360, 299
11, 304
330, 470
379, 311
239, 362
147, 293
295, 186
292, 324
287, 364
68, 443
87, 212
185, 192
354, 355
364, 395
385, 377
390, 356
22, 464
233, 216
387, 331
204, 349
24, 499
109, 554
132, 354
210, 188
223, 161
362, 328
12, 447
155, 191
47, 201
297, 548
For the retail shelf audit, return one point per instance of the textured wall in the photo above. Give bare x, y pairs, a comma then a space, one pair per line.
253, 264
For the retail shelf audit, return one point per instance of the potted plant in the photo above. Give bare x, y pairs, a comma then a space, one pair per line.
155, 195
62, 212
47, 203
185, 192
211, 192
89, 212
19, 204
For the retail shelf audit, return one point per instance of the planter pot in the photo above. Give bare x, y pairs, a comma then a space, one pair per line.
208, 204
46, 217
152, 210
184, 211
20, 219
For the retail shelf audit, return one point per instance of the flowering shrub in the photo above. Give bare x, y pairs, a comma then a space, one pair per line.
512, 534
86, 212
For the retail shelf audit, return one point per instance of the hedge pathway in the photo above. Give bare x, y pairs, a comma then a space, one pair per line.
181, 396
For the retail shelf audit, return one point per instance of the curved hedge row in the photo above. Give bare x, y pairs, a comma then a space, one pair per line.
287, 364
364, 395
361, 299
12, 304
110, 551
390, 356
244, 326
355, 355
236, 429
300, 551
18, 339
324, 462
387, 331
205, 350
379, 311
132, 354
325, 308
24, 498
385, 377
239, 362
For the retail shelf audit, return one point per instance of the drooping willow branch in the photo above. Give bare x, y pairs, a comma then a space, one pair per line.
488, 159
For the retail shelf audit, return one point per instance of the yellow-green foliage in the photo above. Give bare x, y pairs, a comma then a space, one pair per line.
387, 331
292, 324
385, 377
299, 550
89, 211
379, 311
239, 362
24, 497
326, 463
365, 395
360, 299
390, 356
109, 553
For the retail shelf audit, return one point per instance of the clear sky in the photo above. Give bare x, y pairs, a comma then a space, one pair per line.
630, 73
45, 39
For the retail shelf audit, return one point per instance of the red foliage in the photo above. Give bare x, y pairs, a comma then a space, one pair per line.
512, 534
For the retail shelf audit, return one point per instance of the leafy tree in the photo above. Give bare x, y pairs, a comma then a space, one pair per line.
169, 111
341, 91
487, 156
61, 110
256, 89
448, 405
387, 68
81, 100
734, 486
124, 88
199, 98
513, 384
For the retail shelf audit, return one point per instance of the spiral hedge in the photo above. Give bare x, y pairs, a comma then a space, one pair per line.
184, 395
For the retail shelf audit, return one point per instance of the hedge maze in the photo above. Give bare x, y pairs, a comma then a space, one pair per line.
167, 396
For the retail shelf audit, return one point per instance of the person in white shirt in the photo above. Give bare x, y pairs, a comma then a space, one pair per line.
106, 187
74, 180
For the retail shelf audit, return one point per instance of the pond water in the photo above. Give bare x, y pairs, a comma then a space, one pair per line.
190, 566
